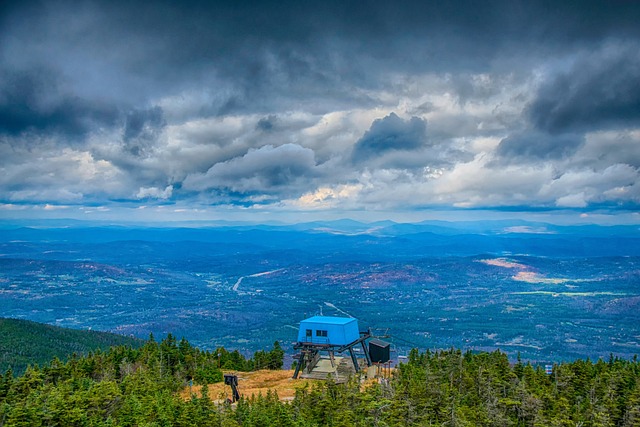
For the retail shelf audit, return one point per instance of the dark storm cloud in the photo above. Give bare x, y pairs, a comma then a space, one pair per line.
597, 91
142, 128
533, 145
267, 170
141, 122
267, 52
266, 124
312, 52
390, 133
259, 98
600, 91
34, 101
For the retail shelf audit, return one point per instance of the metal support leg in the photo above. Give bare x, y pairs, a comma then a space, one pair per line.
366, 353
354, 360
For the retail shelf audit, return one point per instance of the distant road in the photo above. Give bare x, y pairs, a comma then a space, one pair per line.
264, 273
235, 287
328, 304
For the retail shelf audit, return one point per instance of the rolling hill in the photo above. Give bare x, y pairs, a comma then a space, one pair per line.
24, 343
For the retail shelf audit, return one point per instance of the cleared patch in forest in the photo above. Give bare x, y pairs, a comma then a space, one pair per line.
253, 383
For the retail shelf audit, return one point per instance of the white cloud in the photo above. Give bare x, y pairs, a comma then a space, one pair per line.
58, 194
13, 207
577, 188
572, 201
326, 197
155, 193
49, 207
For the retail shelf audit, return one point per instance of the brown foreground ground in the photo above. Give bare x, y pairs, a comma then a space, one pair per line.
253, 383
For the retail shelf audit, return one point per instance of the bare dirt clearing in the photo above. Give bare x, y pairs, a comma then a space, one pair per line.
253, 383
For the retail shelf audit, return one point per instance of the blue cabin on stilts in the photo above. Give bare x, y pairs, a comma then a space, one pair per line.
329, 330
329, 335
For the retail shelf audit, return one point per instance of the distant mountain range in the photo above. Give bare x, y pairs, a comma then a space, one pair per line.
428, 238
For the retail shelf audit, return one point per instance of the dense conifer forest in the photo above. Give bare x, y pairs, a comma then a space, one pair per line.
127, 386
23, 342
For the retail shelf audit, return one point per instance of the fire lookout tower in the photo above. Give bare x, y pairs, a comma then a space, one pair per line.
328, 335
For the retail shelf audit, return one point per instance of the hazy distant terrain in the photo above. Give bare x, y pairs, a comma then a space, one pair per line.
549, 292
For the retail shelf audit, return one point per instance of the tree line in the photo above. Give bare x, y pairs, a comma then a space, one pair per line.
125, 386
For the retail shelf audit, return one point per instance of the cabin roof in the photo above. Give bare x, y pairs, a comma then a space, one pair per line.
329, 320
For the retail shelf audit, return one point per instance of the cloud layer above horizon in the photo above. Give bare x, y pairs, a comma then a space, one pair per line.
341, 106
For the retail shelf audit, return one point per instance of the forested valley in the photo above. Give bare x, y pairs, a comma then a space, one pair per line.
127, 386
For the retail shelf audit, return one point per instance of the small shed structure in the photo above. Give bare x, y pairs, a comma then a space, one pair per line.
379, 351
338, 331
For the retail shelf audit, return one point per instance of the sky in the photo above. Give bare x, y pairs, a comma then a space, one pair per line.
299, 110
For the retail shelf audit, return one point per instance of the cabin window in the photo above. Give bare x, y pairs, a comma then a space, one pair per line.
321, 333
309, 333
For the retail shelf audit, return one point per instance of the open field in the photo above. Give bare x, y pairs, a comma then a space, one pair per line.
254, 383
